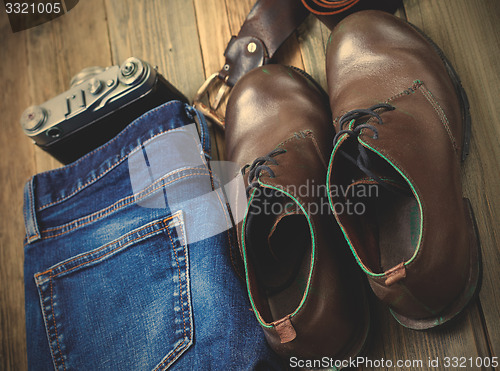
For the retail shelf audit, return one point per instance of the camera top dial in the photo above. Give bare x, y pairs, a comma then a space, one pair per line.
86, 74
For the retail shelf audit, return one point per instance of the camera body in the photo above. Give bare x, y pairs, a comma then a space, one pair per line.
100, 103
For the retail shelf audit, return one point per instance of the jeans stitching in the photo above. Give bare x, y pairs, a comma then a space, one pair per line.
47, 327
55, 324
102, 248
115, 207
106, 245
175, 352
118, 208
97, 177
165, 227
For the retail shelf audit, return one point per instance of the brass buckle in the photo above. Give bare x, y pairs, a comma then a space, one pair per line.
209, 110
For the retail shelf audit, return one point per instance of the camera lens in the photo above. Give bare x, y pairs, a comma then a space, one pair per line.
54, 132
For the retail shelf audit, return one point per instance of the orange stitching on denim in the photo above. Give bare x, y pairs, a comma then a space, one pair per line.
46, 325
190, 330
122, 206
182, 304
108, 253
164, 221
180, 279
104, 172
103, 247
171, 354
55, 325
114, 207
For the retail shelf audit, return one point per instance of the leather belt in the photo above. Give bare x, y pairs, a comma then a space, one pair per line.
328, 7
266, 28
331, 12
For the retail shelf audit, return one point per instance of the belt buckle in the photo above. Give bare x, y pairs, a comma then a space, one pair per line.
209, 109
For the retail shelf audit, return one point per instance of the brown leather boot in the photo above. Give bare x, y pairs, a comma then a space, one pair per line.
403, 126
304, 289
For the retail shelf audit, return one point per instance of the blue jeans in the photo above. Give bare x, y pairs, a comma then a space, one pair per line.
129, 258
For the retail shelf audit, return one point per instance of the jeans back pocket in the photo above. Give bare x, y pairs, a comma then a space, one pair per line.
123, 306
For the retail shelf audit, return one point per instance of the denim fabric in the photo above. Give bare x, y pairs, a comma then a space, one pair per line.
128, 259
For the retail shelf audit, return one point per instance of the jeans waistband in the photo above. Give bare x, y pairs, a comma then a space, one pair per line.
45, 193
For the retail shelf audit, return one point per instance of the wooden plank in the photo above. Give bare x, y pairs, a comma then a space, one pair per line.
463, 337
237, 12
162, 33
17, 164
289, 53
60, 49
469, 34
312, 37
214, 33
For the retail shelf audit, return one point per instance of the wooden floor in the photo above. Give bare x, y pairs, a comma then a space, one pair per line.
186, 39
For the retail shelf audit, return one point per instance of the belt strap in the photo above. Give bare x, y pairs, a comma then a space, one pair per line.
267, 26
331, 12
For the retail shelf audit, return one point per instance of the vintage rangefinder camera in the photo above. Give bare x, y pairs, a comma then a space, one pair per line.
99, 104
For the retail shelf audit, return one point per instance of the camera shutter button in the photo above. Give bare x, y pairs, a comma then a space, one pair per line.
132, 71
95, 86
128, 69
33, 117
